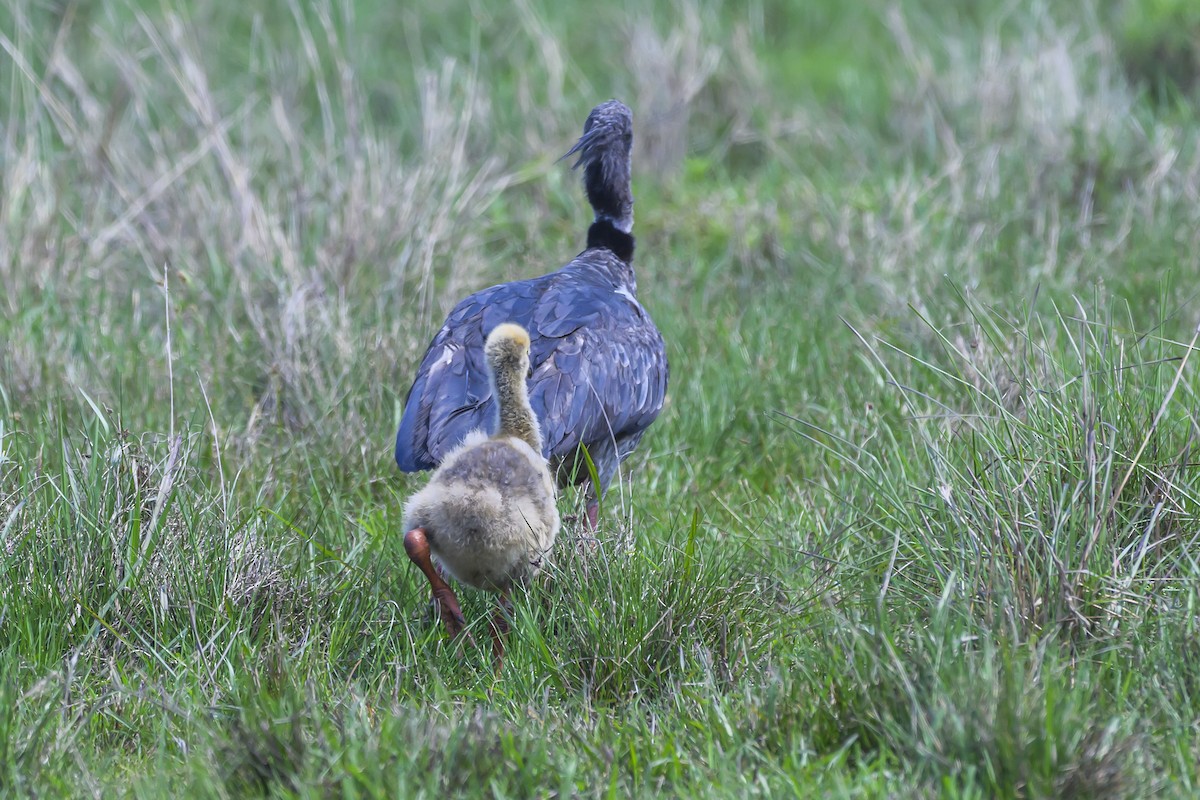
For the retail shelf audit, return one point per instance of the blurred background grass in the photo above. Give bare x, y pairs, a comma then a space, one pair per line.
919, 518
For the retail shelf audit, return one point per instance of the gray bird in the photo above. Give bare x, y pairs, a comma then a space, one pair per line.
599, 370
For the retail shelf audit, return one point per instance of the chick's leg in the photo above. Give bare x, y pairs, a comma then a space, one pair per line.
417, 548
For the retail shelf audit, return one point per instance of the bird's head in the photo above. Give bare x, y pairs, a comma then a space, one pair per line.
605, 152
507, 349
607, 136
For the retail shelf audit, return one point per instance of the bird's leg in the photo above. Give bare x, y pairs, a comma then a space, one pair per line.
500, 629
417, 548
433, 598
587, 541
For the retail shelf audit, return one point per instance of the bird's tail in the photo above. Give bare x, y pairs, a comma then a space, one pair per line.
605, 151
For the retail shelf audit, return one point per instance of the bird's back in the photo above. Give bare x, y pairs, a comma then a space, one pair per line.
489, 512
599, 367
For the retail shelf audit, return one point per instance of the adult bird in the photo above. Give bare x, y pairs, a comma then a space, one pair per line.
598, 364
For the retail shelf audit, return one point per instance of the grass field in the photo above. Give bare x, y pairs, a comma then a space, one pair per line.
920, 519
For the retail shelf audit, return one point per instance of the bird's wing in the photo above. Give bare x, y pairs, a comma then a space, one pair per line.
599, 370
450, 395
602, 382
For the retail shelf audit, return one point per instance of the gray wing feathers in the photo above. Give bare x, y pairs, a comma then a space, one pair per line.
599, 369
614, 389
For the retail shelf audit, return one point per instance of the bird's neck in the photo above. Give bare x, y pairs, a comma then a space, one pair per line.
607, 185
516, 417
605, 233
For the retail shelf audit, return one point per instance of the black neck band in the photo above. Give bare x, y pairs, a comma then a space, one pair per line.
604, 234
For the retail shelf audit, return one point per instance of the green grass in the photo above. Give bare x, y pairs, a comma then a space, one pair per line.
920, 518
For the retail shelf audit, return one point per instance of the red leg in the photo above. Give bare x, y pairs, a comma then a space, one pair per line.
593, 515
417, 548
433, 598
